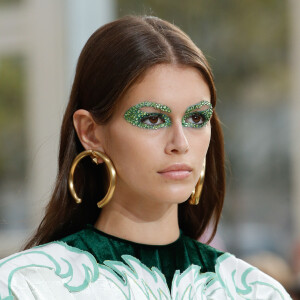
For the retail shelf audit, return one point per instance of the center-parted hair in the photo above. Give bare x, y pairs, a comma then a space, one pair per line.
112, 60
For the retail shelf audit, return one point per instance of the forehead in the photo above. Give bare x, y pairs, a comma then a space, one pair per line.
175, 86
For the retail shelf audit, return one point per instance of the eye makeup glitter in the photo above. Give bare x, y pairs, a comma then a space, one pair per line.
153, 120
142, 119
193, 113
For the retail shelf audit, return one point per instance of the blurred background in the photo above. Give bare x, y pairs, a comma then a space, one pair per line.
253, 48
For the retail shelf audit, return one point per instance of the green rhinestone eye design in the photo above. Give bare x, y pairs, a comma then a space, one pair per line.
142, 119
196, 118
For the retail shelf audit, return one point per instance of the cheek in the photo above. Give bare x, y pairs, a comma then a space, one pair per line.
199, 140
131, 151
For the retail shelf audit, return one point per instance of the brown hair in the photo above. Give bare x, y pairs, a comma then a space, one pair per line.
114, 57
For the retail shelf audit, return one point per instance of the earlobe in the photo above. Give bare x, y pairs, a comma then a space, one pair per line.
88, 131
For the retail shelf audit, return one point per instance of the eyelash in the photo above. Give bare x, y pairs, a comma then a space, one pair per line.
204, 115
165, 121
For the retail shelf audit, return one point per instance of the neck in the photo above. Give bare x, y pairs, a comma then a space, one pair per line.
127, 220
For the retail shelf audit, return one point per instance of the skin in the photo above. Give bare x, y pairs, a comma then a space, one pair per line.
145, 202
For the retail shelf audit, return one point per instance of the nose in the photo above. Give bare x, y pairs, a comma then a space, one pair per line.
177, 142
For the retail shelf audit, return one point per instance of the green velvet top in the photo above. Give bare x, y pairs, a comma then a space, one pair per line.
178, 255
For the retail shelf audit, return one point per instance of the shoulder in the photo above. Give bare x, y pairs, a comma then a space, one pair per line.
48, 269
238, 278
75, 239
84, 239
233, 277
204, 247
206, 254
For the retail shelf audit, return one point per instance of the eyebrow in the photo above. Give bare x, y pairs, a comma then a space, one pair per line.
154, 105
165, 108
199, 105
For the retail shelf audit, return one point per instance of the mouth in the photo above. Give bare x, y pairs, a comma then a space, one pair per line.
176, 172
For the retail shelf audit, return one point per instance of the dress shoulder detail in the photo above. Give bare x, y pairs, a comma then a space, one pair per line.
19, 273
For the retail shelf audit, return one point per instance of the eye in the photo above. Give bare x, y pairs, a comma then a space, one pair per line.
153, 119
195, 118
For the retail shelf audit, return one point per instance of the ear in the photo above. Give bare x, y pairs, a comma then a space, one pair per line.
88, 131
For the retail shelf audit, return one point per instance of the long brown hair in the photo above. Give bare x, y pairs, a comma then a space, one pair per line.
114, 57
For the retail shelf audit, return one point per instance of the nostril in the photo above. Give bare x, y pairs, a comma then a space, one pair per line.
180, 149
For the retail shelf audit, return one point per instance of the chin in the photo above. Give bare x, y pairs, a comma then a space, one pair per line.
175, 197
181, 200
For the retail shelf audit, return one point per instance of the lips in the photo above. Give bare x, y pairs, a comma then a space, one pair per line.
177, 167
176, 171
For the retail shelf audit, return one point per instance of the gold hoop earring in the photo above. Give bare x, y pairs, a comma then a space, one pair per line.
111, 170
195, 196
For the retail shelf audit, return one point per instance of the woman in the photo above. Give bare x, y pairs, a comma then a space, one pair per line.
142, 104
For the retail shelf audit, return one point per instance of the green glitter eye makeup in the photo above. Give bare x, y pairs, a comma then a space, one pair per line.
142, 119
196, 118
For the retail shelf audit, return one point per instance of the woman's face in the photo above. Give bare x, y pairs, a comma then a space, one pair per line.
159, 134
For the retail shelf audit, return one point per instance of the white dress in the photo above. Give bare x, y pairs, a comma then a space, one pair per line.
58, 271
